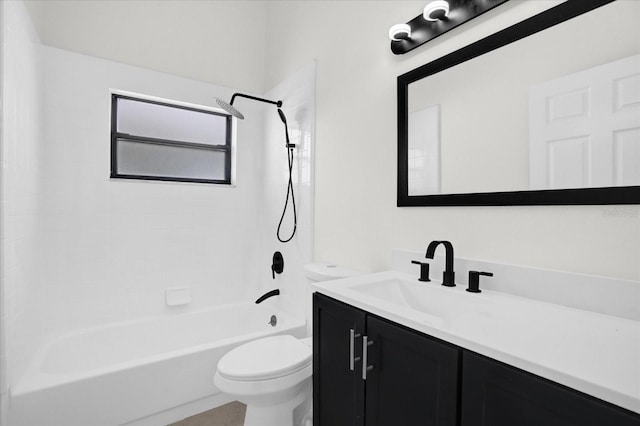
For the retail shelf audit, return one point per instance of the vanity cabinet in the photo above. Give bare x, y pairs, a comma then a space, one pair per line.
496, 394
419, 380
412, 378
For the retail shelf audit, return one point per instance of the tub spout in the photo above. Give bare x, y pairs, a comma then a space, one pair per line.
268, 295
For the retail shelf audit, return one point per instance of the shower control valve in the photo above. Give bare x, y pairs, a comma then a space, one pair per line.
277, 264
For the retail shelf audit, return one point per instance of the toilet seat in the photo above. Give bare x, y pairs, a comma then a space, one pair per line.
265, 359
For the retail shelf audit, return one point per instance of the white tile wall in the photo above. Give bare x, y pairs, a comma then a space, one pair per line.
19, 182
3, 316
112, 247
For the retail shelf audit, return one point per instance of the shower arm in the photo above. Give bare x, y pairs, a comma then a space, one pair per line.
276, 103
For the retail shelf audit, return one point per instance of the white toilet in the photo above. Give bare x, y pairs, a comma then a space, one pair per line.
272, 375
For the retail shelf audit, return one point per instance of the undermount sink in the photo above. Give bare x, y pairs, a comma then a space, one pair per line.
427, 303
423, 302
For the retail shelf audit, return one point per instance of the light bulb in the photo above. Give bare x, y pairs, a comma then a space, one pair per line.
436, 10
400, 32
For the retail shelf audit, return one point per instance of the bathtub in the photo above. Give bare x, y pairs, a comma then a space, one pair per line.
122, 373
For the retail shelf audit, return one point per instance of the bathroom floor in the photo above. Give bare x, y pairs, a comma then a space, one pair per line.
231, 414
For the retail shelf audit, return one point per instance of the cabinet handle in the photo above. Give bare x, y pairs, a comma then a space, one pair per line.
365, 344
352, 343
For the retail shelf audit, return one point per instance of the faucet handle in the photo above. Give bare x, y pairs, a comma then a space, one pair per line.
474, 280
424, 270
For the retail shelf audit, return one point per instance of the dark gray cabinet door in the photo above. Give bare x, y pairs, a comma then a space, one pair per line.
413, 382
414, 379
495, 394
338, 391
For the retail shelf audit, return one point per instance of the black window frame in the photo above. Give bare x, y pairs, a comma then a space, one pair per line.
115, 136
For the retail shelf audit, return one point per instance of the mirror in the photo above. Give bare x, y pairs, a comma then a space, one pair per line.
546, 112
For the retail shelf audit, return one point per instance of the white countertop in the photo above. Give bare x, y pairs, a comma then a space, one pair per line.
595, 353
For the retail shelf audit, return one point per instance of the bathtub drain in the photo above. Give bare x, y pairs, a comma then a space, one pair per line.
273, 321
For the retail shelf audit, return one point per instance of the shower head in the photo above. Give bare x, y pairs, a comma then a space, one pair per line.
229, 108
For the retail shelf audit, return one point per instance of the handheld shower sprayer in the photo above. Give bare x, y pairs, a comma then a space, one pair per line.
282, 117
228, 107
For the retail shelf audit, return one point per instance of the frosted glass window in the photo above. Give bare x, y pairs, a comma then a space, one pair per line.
159, 141
144, 159
168, 122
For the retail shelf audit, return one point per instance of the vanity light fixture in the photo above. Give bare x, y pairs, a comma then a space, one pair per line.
438, 17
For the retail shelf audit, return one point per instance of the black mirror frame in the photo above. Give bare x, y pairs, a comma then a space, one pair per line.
537, 23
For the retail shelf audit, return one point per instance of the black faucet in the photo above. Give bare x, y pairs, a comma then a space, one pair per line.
448, 276
424, 270
474, 280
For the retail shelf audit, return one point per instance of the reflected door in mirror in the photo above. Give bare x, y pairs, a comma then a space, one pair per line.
584, 128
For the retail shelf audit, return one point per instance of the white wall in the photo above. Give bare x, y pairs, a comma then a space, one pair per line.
356, 220
20, 183
221, 42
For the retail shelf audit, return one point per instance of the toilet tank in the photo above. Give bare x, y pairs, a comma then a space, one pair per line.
327, 271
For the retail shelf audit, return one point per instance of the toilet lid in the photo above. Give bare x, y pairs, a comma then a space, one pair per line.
266, 358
